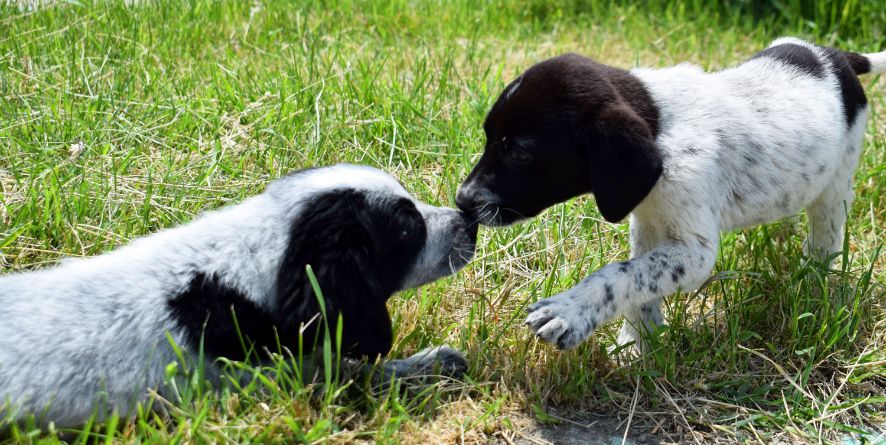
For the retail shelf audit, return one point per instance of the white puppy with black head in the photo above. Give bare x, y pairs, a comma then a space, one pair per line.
686, 153
92, 332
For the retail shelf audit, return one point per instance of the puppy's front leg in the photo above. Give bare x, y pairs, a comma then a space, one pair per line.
440, 360
568, 318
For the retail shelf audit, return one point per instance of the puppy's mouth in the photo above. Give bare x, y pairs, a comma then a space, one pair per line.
494, 215
464, 243
460, 255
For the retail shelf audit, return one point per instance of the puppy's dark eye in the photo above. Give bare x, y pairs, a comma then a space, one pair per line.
404, 235
520, 156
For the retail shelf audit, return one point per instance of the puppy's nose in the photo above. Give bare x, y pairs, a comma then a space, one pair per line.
465, 199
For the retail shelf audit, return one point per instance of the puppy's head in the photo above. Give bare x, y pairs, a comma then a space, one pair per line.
565, 127
365, 238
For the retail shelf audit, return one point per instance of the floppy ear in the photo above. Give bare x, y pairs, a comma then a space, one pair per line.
624, 163
333, 235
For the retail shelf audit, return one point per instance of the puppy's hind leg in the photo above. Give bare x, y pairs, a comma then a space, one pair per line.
827, 216
828, 212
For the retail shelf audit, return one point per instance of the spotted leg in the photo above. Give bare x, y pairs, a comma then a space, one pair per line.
682, 262
827, 215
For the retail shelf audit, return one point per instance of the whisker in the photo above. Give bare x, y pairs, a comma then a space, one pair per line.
519, 215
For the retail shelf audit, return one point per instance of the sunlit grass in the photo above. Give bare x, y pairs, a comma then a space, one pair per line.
116, 121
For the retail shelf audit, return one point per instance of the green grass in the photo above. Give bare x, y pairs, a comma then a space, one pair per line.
117, 121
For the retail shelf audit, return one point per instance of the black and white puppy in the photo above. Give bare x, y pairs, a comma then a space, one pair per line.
92, 332
688, 154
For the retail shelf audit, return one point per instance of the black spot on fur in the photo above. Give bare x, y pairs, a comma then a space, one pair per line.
821, 169
678, 273
609, 294
624, 266
639, 280
797, 56
850, 88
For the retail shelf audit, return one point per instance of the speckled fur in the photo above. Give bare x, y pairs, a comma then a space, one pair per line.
740, 147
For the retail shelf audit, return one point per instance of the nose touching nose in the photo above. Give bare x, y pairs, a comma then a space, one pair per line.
466, 198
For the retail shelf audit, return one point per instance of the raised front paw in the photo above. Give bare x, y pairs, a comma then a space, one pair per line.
560, 320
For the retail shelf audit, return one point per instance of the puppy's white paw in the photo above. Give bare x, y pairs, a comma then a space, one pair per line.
629, 342
561, 321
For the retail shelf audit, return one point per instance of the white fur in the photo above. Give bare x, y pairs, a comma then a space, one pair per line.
741, 147
878, 62
92, 331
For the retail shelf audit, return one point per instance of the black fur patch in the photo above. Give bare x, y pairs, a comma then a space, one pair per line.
794, 55
360, 253
208, 302
850, 88
576, 126
859, 64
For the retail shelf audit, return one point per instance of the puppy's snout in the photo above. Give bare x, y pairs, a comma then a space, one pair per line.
466, 199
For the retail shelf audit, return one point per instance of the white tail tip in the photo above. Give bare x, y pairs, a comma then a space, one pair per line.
878, 62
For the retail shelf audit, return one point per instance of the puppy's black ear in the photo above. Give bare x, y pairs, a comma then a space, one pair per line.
624, 163
333, 234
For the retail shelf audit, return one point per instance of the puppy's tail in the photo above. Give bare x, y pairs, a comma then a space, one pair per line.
872, 63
